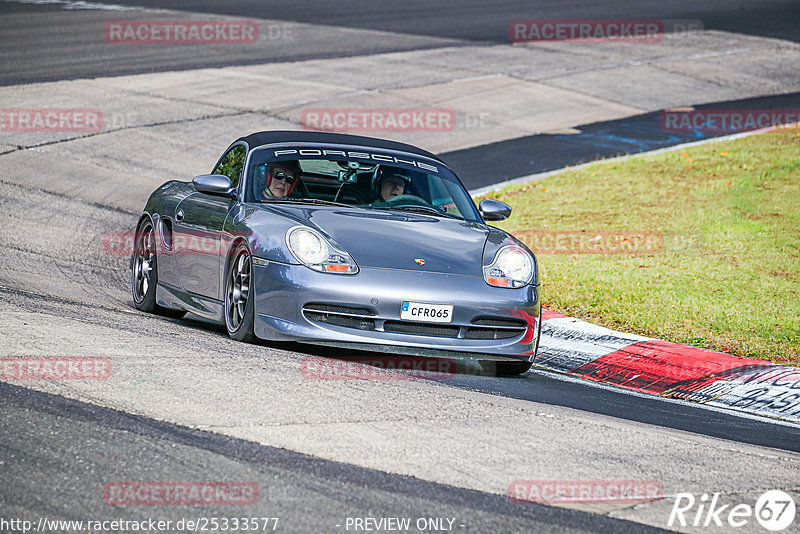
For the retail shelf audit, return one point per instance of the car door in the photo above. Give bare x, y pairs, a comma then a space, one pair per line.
199, 220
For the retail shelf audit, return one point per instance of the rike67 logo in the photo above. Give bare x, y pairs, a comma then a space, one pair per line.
774, 510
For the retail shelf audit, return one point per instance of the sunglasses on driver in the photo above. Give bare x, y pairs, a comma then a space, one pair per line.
280, 175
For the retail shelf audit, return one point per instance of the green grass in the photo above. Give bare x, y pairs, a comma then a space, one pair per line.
726, 277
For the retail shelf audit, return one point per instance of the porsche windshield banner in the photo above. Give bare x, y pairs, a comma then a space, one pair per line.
311, 153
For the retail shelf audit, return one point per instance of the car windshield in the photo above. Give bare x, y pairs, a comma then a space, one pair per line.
360, 179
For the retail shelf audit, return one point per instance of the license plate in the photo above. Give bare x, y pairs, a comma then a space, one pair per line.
428, 313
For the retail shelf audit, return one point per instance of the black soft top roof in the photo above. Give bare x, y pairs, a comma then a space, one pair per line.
291, 136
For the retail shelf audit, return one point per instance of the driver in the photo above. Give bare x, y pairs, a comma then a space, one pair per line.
281, 179
391, 183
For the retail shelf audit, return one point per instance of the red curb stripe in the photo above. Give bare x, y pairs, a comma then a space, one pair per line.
656, 366
694, 389
667, 369
548, 314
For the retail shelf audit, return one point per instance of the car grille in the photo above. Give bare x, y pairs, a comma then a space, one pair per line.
485, 328
421, 329
358, 318
491, 328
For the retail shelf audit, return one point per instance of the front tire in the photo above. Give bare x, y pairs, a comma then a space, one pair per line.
144, 273
239, 296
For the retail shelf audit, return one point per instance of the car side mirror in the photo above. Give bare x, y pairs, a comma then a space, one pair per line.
214, 184
494, 210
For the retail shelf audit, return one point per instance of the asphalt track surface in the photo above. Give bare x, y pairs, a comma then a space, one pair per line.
546, 152
54, 45
59, 452
477, 20
306, 494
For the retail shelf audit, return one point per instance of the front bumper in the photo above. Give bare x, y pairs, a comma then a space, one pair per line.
285, 294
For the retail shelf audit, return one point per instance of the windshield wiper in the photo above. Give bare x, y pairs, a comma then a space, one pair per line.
309, 201
419, 209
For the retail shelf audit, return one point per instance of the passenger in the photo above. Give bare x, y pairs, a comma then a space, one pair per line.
281, 179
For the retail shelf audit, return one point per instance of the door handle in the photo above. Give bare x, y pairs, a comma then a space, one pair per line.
179, 216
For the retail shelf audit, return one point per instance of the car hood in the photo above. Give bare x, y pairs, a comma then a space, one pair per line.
396, 240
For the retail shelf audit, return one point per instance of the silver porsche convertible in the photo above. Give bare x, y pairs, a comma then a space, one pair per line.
340, 240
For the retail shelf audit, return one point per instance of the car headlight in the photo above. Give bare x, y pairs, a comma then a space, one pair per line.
315, 252
512, 267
